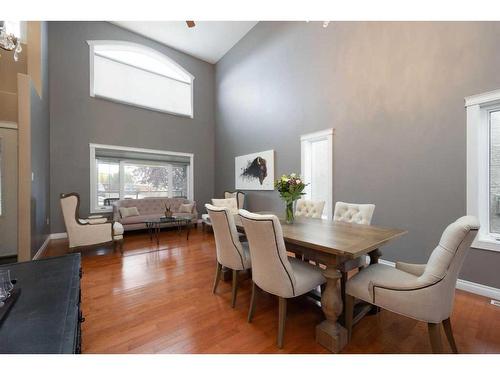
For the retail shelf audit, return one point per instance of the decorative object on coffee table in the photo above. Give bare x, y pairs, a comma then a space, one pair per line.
168, 211
291, 188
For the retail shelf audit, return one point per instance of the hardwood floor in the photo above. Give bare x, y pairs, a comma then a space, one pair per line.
150, 301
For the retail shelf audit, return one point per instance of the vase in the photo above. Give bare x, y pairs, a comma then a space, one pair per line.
289, 214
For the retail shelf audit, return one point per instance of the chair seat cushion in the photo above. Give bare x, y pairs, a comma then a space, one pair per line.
307, 276
205, 218
359, 285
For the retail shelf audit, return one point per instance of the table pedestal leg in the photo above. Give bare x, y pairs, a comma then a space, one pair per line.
330, 333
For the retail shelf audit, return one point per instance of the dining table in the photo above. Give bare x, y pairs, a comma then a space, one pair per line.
334, 245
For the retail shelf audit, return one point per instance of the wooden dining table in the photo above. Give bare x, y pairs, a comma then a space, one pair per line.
334, 245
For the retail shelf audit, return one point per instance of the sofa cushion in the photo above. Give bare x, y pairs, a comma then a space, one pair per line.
140, 218
186, 208
128, 211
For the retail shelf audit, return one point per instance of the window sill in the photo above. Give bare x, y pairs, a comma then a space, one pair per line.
483, 243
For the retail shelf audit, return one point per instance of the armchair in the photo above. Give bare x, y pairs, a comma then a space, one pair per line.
423, 292
87, 232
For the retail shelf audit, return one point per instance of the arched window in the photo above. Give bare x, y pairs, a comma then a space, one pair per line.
133, 74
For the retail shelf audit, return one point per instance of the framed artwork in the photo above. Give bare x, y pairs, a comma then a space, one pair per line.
255, 171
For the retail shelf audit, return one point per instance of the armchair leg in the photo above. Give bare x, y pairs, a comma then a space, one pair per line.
282, 319
449, 334
435, 337
235, 288
218, 271
349, 312
251, 310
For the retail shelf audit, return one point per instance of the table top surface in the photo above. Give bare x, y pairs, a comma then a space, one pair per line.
44, 318
337, 238
165, 219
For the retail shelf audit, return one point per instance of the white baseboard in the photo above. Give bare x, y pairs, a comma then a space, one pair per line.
58, 236
42, 248
465, 285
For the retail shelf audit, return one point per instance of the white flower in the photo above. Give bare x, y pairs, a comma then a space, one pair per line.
298, 181
292, 175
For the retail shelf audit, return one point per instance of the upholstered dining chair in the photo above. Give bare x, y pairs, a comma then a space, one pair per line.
353, 213
231, 253
423, 292
272, 270
309, 208
94, 230
239, 195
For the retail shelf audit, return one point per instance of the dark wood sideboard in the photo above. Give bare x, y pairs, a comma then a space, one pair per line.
46, 317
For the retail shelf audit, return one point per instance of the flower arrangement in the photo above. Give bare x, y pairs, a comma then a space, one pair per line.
291, 187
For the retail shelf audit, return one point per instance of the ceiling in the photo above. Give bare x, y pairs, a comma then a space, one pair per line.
208, 40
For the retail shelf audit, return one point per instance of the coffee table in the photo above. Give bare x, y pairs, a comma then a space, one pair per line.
154, 226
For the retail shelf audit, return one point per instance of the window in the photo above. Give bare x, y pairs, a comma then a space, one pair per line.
137, 75
483, 166
317, 160
123, 172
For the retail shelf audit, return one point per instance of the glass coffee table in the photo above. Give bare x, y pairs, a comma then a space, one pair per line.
154, 226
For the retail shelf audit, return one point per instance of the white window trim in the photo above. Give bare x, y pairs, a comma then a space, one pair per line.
478, 108
152, 52
93, 170
316, 136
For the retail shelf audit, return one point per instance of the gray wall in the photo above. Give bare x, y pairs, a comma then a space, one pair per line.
77, 119
393, 91
40, 151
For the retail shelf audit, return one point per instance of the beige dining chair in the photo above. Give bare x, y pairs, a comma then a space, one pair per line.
90, 231
423, 292
353, 213
231, 253
272, 270
239, 195
309, 208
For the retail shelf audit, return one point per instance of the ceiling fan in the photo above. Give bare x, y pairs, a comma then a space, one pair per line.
190, 24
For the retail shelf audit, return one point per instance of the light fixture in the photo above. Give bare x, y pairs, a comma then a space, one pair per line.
10, 41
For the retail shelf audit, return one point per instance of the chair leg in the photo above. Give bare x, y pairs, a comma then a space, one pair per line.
449, 335
349, 312
435, 337
282, 319
251, 310
235, 288
218, 271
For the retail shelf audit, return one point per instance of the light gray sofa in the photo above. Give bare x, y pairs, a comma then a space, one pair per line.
151, 208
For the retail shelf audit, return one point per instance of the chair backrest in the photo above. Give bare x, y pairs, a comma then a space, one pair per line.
271, 270
239, 195
228, 246
353, 213
230, 203
309, 208
70, 205
447, 258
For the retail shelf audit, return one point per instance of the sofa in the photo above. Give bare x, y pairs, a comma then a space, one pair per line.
151, 208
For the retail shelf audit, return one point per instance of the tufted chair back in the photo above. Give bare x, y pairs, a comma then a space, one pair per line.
271, 269
239, 195
353, 213
309, 208
230, 203
228, 246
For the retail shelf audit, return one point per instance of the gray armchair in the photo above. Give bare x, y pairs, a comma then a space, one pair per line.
423, 292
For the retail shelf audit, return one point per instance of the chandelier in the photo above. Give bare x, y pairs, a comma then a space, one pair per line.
9, 41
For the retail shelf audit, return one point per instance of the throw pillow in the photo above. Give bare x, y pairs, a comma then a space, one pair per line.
128, 211
229, 203
186, 208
